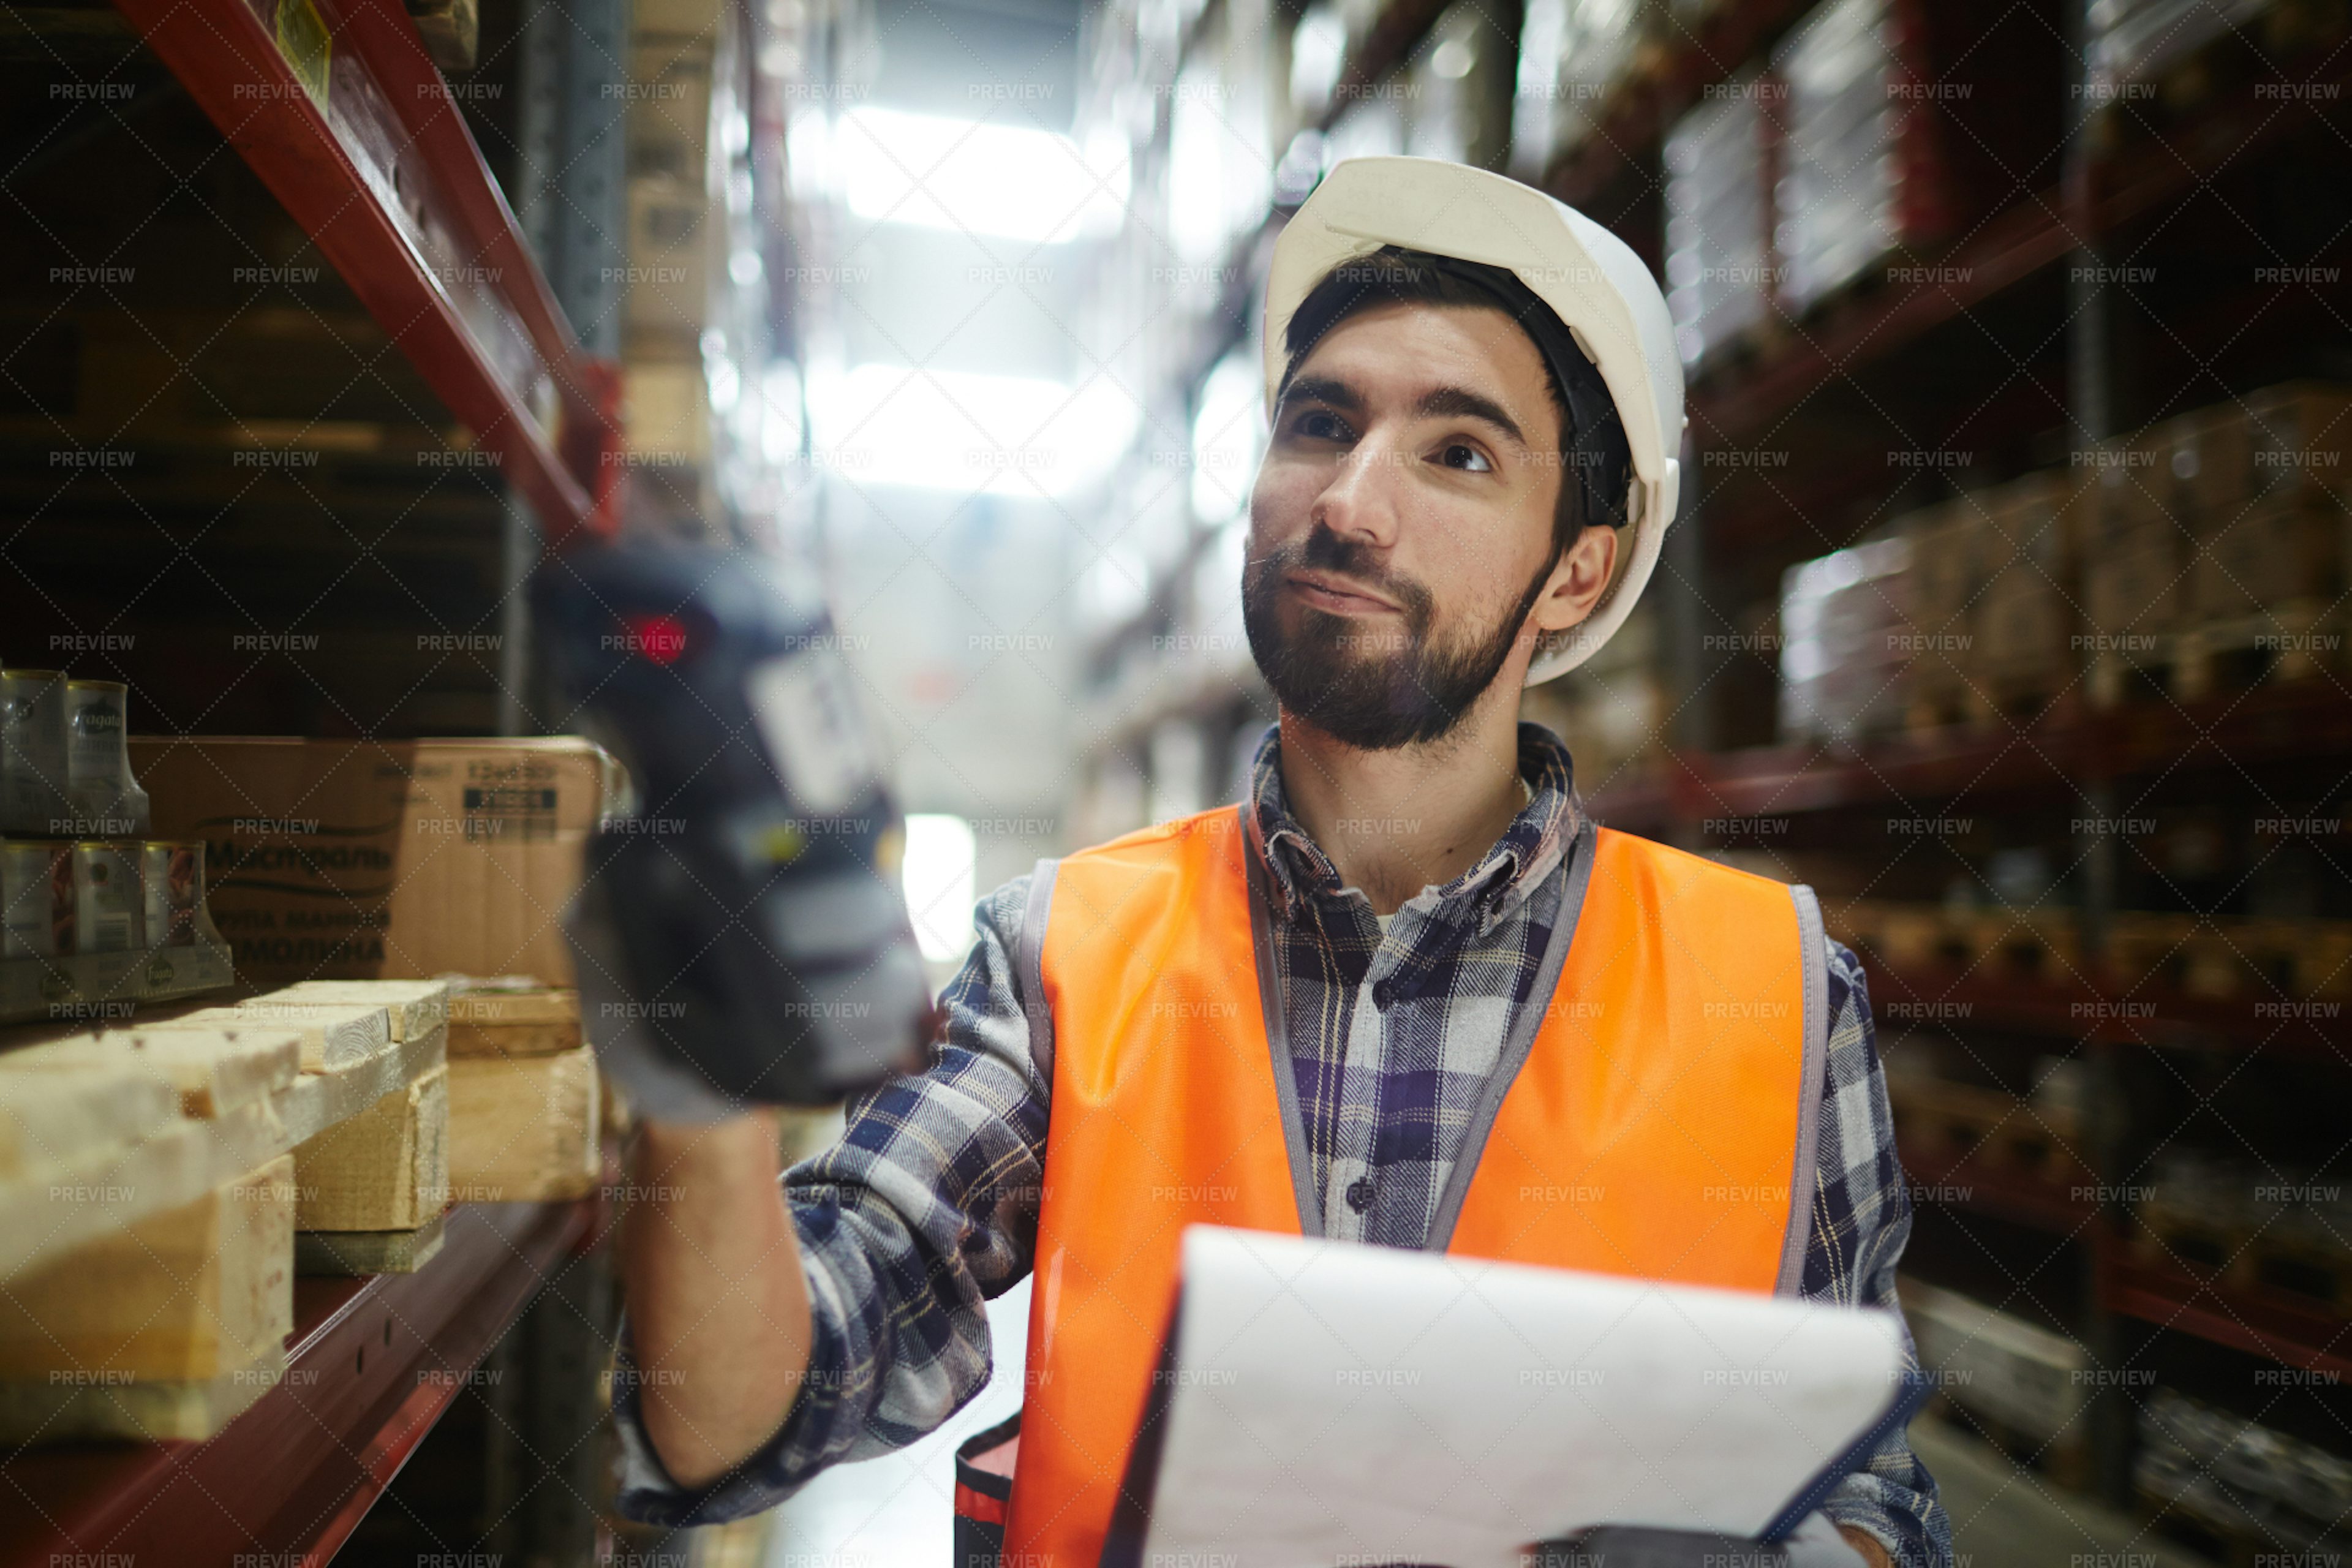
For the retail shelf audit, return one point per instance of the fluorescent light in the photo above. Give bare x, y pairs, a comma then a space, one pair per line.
959, 430
971, 175
942, 861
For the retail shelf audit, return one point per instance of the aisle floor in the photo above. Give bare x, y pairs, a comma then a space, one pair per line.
2001, 1519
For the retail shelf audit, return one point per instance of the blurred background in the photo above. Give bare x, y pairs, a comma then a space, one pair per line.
2005, 606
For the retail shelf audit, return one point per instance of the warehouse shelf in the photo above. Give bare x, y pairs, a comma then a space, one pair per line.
2090, 1008
1970, 1182
372, 1365
1637, 113
2281, 1328
2034, 233
2051, 758
336, 105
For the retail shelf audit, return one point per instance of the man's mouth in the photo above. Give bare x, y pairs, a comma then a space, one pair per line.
1337, 594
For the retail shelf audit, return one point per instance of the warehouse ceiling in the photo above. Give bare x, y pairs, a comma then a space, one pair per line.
1012, 61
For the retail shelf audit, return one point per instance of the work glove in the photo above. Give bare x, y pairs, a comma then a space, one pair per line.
655, 1083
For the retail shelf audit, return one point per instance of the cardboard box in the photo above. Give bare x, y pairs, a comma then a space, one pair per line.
385, 860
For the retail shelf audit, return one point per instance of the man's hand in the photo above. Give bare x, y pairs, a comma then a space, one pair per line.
719, 1313
1862, 1540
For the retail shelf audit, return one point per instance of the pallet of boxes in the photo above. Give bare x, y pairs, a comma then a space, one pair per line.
160, 1184
167, 1171
453, 858
2224, 547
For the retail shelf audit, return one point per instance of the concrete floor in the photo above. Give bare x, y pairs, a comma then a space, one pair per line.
2005, 1518
895, 1512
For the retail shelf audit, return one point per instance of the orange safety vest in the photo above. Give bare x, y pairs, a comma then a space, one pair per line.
1654, 1114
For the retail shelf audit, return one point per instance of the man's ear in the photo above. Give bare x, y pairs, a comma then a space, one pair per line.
1577, 579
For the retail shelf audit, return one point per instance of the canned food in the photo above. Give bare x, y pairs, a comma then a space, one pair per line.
172, 874
106, 801
110, 913
37, 898
33, 752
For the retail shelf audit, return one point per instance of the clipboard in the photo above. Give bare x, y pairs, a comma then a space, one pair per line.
1289, 1292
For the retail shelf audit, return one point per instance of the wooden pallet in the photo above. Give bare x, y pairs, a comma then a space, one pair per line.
2245, 1260
2044, 945
99, 1130
1938, 1123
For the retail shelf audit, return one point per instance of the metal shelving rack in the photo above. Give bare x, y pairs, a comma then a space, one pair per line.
339, 108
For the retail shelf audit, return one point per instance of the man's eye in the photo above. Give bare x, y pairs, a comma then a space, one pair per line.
1320, 425
1468, 458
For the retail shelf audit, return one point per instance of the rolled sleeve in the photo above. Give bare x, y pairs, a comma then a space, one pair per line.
923, 1211
1862, 1218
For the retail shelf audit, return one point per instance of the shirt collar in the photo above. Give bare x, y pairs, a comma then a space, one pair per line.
1299, 869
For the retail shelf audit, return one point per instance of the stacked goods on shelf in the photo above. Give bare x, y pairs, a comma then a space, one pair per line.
2282, 1497
523, 1109
2021, 635
153, 1182
1836, 204
2134, 39
2025, 1383
1576, 55
2209, 550
1906, 124
1719, 223
1610, 709
94, 915
1994, 600
1944, 1126
2222, 545
2250, 1225
1845, 636
2212, 957
376, 859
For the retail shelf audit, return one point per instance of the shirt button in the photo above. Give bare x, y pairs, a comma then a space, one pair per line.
1383, 993
1360, 1193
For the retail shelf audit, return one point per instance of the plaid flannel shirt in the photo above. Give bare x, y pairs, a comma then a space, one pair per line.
926, 1207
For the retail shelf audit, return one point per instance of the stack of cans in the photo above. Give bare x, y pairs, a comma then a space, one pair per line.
77, 874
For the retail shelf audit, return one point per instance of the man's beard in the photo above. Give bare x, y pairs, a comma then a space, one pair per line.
1373, 689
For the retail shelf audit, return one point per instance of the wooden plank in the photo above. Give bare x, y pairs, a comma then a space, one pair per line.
56, 1123
187, 1294
83, 1154
319, 1099
514, 1023
334, 1032
386, 1168
452, 31
214, 1070
350, 1254
157, 1411
412, 1007
522, 1128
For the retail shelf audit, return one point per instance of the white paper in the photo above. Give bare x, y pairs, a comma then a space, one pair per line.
1346, 1404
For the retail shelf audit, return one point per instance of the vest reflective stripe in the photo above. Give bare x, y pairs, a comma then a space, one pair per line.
1652, 1117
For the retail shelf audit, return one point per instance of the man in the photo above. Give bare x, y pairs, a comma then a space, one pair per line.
1407, 994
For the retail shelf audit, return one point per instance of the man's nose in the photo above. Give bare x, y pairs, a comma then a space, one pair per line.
1360, 502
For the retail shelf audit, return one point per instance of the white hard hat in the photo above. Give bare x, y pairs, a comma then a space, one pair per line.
1590, 278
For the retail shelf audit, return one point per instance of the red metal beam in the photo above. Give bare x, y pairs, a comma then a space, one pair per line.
338, 109
2287, 1332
